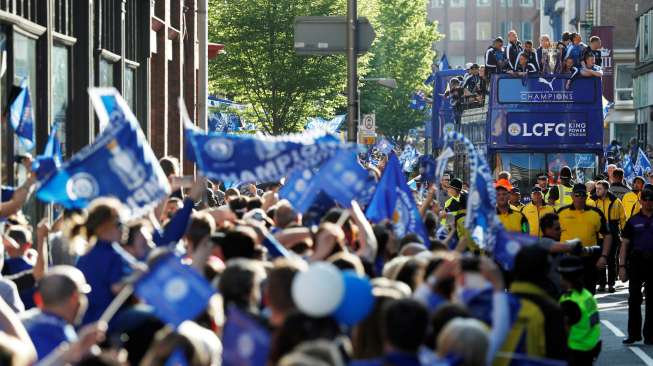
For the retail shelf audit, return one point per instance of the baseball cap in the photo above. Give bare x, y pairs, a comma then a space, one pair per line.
474, 66
565, 172
640, 178
515, 190
536, 189
579, 188
69, 274
456, 184
647, 192
503, 184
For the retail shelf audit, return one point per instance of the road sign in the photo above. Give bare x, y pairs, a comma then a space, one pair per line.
368, 123
328, 35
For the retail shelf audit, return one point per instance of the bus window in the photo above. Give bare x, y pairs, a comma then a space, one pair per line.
523, 167
583, 165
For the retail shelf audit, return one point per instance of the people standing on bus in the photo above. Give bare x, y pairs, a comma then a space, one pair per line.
566, 39
613, 210
589, 69
631, 199
580, 221
513, 49
575, 49
531, 55
595, 49
471, 82
546, 55
535, 210
561, 49
617, 186
510, 217
581, 314
495, 58
482, 87
523, 68
561, 194
456, 93
515, 198
635, 262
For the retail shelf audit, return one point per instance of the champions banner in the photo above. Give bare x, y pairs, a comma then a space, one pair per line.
251, 158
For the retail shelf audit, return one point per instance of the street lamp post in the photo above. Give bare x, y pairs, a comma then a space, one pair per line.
384, 82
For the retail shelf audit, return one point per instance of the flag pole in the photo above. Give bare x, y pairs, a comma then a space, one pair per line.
117, 302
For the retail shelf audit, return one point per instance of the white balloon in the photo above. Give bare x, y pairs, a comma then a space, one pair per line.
318, 291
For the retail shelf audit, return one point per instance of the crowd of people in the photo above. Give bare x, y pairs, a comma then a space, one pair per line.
440, 302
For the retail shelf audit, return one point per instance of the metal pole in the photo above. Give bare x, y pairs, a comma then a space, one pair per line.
352, 73
203, 79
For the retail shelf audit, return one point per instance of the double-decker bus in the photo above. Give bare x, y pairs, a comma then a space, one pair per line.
535, 125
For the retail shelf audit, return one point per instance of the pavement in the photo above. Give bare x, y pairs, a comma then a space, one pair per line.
613, 309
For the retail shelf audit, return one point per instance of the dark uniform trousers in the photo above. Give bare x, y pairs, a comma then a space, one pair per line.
640, 272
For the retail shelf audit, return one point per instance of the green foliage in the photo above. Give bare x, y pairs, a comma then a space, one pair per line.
261, 68
403, 51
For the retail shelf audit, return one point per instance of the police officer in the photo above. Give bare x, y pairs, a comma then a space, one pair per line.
535, 210
579, 221
542, 182
581, 314
515, 198
561, 194
453, 205
510, 217
635, 263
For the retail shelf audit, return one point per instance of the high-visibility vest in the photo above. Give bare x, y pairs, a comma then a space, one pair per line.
586, 333
565, 195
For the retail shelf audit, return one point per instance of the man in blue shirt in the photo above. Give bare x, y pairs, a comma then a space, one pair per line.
576, 49
17, 261
62, 302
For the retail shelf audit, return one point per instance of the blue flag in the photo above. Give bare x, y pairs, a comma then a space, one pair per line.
408, 158
343, 178
384, 146
300, 189
444, 63
642, 164
51, 159
629, 169
21, 117
607, 105
119, 163
427, 168
260, 159
331, 126
394, 201
245, 341
175, 291
418, 101
507, 245
430, 80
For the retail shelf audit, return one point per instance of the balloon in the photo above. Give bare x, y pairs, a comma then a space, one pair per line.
358, 300
318, 291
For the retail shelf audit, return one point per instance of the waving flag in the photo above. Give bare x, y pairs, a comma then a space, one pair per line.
441, 162
343, 178
418, 101
427, 168
408, 158
430, 80
394, 201
629, 169
245, 341
51, 160
119, 163
507, 245
444, 63
300, 190
607, 105
331, 126
175, 291
384, 146
21, 117
260, 159
481, 219
642, 164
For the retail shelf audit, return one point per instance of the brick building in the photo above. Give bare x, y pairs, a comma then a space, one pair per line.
471, 25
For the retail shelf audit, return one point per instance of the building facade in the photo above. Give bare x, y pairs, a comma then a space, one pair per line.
643, 74
147, 49
470, 26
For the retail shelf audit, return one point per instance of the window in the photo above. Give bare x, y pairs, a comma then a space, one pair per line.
457, 3
624, 83
60, 91
437, 3
506, 27
526, 31
130, 76
480, 60
106, 72
483, 31
25, 69
526, 3
506, 3
483, 2
457, 31
456, 62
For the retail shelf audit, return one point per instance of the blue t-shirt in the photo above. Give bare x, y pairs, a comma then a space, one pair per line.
47, 331
17, 265
103, 267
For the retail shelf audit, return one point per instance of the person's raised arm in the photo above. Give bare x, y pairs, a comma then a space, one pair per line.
18, 199
368, 245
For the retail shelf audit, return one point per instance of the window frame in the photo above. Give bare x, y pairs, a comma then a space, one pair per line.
484, 3
489, 33
457, 3
617, 100
523, 32
462, 31
506, 4
526, 3
436, 4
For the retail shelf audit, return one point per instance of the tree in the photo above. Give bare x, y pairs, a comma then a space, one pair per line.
403, 52
261, 68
